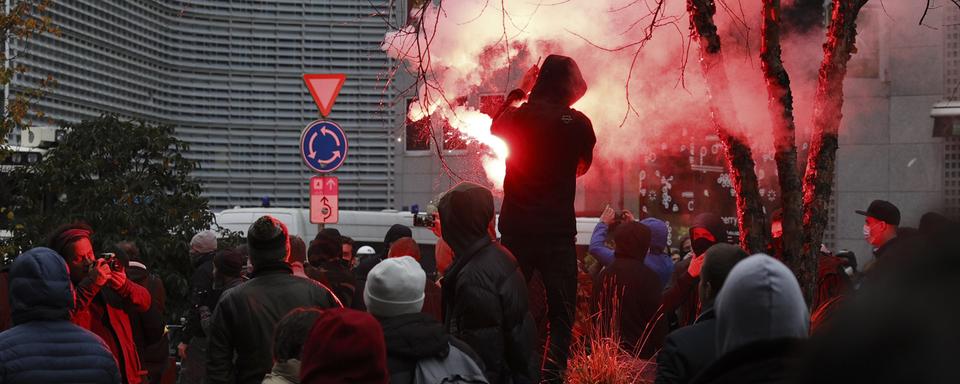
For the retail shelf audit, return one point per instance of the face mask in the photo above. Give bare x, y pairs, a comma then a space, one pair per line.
866, 231
700, 245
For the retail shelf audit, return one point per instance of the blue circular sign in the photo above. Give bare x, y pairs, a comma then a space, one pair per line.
323, 146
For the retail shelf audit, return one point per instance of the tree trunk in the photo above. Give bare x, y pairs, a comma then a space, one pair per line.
827, 113
784, 133
754, 232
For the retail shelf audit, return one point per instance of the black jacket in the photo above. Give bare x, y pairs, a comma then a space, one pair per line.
201, 291
637, 289
413, 337
148, 327
688, 350
44, 346
484, 293
767, 361
550, 145
241, 329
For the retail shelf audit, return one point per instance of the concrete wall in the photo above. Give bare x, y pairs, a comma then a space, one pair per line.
887, 150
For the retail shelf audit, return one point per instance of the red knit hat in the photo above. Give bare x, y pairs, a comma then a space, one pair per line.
344, 346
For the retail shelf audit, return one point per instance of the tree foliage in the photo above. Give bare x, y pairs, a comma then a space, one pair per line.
25, 20
128, 180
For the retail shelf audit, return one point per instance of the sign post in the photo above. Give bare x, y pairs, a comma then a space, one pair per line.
324, 191
323, 148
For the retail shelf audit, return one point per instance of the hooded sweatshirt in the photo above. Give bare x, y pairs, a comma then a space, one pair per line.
760, 300
549, 143
630, 292
657, 259
44, 346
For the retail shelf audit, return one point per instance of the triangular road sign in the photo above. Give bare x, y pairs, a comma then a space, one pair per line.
324, 88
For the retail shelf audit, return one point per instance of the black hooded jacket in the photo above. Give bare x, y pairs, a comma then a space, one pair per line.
630, 290
550, 145
484, 293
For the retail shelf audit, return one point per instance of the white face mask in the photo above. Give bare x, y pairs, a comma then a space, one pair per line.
866, 232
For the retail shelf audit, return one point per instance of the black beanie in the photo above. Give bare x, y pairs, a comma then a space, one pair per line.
228, 263
267, 237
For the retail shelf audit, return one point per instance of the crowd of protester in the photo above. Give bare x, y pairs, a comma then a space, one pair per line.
281, 309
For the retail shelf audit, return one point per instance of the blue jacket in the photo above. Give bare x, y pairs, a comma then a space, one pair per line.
44, 346
659, 262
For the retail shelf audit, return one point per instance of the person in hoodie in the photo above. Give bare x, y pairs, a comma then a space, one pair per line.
551, 144
43, 346
689, 350
148, 327
484, 293
344, 346
681, 296
629, 292
102, 294
395, 296
242, 325
762, 320
288, 342
192, 348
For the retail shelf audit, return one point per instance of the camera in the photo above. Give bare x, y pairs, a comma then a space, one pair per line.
112, 260
425, 220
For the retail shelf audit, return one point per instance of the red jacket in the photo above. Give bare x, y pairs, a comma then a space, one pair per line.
88, 297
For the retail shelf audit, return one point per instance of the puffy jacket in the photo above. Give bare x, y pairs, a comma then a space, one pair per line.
550, 145
484, 293
241, 329
44, 346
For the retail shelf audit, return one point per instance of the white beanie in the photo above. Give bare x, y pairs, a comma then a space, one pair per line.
366, 250
395, 287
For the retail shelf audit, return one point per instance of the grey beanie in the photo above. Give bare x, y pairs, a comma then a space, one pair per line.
395, 287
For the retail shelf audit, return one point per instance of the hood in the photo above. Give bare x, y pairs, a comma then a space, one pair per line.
559, 82
713, 223
465, 213
658, 232
632, 241
40, 287
760, 300
414, 336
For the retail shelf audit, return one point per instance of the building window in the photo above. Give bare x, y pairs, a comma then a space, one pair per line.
418, 132
452, 137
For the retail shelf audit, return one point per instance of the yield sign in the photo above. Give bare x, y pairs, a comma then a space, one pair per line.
323, 200
324, 88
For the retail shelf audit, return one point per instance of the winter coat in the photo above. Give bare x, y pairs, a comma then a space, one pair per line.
658, 262
688, 351
102, 310
628, 294
201, 290
44, 346
287, 372
550, 145
148, 327
5, 321
484, 292
413, 337
242, 325
765, 361
335, 275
